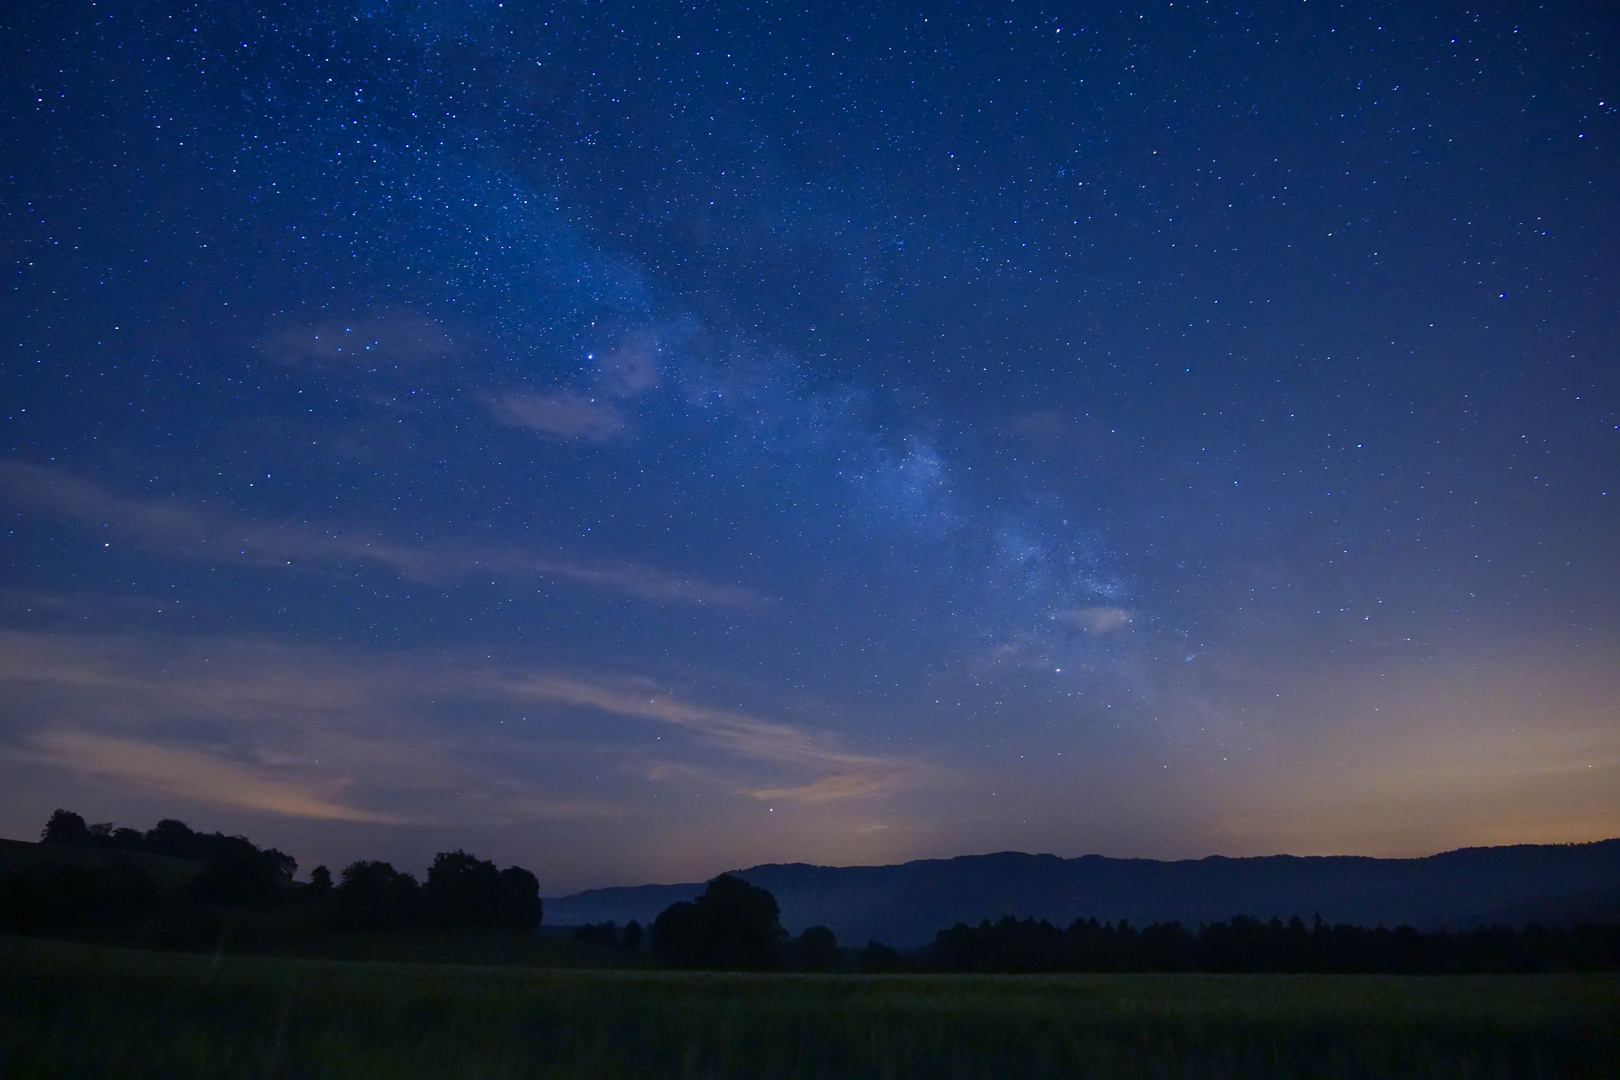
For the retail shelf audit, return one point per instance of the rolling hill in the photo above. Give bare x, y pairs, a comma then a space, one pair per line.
906, 905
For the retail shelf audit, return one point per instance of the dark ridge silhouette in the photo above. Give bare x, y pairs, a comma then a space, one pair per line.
906, 905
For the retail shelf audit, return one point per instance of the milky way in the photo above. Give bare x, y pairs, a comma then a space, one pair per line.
636, 441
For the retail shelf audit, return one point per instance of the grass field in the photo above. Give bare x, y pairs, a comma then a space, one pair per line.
84, 1011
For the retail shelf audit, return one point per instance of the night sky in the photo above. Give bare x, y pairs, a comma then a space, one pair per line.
639, 440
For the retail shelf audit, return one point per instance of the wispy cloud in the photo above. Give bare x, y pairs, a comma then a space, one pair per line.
1097, 620
364, 344
633, 579
844, 774
1043, 427
190, 774
332, 735
565, 416
289, 730
852, 785
177, 528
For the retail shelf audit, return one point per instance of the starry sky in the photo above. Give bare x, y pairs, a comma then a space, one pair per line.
639, 440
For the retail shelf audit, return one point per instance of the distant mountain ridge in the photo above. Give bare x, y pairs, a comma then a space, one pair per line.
907, 904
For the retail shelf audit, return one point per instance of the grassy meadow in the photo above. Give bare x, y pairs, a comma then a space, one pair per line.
70, 1010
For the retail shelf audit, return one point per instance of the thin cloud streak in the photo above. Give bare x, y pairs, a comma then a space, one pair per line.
835, 788
366, 344
1097, 619
176, 528
565, 416
857, 775
283, 729
194, 775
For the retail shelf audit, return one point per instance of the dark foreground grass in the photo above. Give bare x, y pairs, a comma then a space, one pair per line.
81, 1011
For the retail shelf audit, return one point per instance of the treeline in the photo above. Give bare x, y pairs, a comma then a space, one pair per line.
235, 870
126, 892
735, 926
1246, 944
611, 935
461, 890
121, 894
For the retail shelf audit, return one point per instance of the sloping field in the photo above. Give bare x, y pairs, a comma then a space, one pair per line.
165, 870
71, 1010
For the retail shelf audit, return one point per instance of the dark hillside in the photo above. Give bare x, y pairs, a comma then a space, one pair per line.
909, 903
165, 870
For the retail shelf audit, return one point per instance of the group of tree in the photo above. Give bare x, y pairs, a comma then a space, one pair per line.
1245, 944
732, 926
736, 926
461, 890
610, 934
137, 891
236, 872
115, 893
97, 881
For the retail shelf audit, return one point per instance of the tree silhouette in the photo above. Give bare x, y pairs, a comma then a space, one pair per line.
462, 890
239, 874
877, 957
732, 926
374, 896
677, 936
606, 933
814, 950
173, 837
65, 827
520, 899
